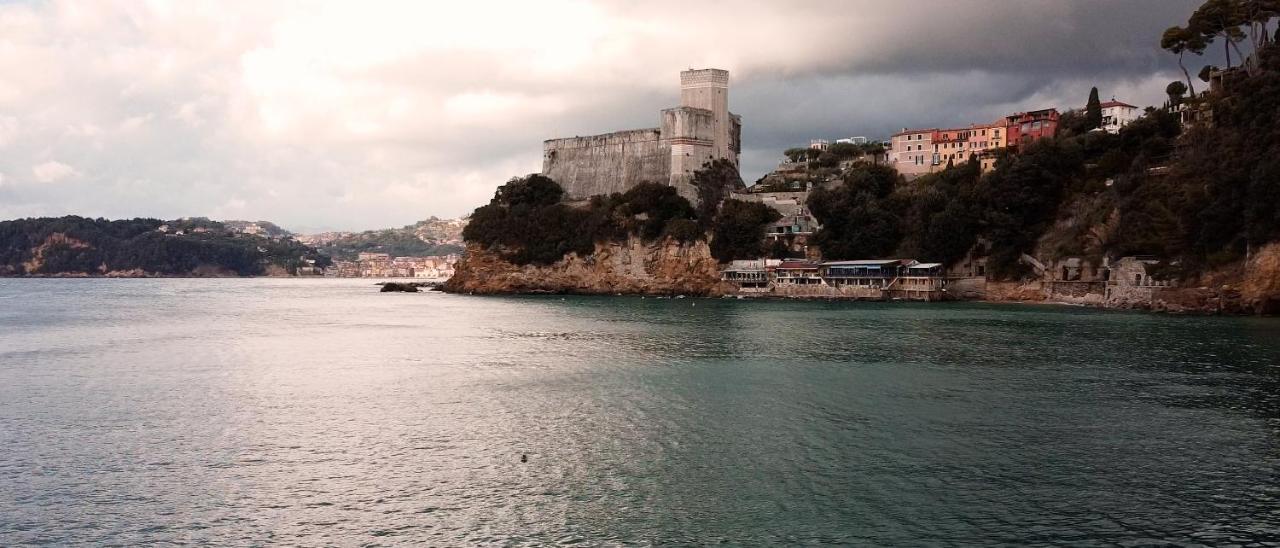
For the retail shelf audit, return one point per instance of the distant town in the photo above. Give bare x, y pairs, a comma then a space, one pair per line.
382, 265
361, 255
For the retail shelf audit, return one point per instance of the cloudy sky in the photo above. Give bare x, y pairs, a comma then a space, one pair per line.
354, 115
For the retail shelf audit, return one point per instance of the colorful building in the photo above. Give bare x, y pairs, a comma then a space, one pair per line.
986, 140
950, 146
1025, 127
911, 152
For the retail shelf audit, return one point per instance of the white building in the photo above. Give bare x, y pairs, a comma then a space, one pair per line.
853, 140
1116, 115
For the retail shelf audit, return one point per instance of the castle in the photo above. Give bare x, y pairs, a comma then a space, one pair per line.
698, 131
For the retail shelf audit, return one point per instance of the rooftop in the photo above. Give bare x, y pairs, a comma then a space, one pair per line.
864, 262
906, 131
1114, 103
797, 265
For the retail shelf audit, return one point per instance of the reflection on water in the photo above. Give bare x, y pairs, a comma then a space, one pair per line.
323, 412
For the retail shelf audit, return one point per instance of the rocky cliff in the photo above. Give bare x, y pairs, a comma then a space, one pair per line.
1246, 287
664, 267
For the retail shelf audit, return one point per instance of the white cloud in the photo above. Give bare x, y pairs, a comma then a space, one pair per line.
8, 130
53, 171
133, 123
190, 113
84, 130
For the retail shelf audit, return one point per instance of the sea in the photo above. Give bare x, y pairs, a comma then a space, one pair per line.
320, 412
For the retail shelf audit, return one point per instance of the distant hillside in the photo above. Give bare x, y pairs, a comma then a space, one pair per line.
78, 246
259, 228
430, 237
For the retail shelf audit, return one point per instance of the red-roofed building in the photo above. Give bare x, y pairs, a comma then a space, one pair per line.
1116, 115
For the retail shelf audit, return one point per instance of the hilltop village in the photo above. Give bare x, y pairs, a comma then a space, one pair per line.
800, 271
1100, 203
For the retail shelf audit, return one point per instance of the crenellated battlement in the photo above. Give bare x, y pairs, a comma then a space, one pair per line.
704, 78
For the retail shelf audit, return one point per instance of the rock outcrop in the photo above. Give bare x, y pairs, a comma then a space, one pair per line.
1260, 290
396, 287
663, 267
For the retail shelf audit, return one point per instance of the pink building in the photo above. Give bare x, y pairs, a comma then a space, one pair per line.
911, 152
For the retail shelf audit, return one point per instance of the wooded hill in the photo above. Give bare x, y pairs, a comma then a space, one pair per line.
81, 246
1200, 197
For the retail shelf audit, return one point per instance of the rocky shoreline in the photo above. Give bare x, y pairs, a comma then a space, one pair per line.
668, 268
630, 267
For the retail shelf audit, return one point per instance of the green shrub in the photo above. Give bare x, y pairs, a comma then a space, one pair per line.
738, 231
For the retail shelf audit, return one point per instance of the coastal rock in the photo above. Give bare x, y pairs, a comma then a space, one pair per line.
392, 287
1260, 290
663, 267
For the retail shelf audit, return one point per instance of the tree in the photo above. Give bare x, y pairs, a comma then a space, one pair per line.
1257, 14
844, 151
534, 190
1180, 40
859, 220
739, 230
1175, 90
654, 206
712, 184
1093, 110
1220, 18
1206, 72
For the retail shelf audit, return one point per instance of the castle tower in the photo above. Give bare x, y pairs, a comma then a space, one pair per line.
708, 89
701, 129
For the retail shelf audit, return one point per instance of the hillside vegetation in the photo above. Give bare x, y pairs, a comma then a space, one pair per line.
424, 238
526, 222
82, 246
1199, 200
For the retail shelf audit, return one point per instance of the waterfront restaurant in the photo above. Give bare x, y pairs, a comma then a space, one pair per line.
750, 276
864, 273
922, 278
797, 272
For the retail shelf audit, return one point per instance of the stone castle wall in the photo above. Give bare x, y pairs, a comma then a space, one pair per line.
604, 164
700, 130
690, 135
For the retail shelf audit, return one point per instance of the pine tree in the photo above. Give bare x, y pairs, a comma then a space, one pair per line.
1093, 111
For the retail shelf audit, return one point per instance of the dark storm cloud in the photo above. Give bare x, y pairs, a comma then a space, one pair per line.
350, 115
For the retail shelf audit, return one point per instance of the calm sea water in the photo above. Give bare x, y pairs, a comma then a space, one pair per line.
320, 412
